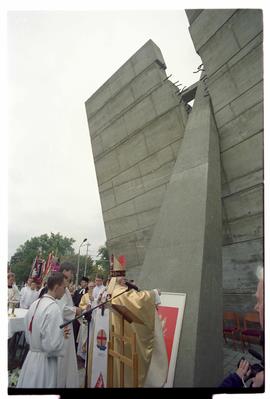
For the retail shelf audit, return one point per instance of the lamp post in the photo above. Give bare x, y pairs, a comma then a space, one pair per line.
87, 245
78, 264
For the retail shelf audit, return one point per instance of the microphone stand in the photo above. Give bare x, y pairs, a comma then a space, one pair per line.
86, 312
88, 316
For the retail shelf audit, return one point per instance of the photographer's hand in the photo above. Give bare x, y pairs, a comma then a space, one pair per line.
258, 380
243, 370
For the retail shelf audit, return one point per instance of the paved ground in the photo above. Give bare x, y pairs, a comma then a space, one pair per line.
230, 360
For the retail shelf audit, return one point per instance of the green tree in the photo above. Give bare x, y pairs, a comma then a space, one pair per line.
102, 264
21, 262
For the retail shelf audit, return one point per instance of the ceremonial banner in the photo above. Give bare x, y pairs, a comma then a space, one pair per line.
100, 349
38, 269
171, 313
48, 265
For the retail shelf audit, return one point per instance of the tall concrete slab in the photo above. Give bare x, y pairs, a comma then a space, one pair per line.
229, 43
136, 125
184, 254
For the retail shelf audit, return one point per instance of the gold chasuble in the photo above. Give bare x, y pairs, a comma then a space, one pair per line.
150, 343
142, 305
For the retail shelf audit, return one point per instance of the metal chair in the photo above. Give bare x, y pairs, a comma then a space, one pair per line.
231, 327
251, 332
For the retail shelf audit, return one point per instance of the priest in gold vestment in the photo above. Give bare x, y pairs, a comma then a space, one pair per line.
151, 350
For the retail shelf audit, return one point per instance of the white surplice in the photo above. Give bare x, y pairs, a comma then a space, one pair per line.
98, 289
68, 376
13, 293
28, 296
46, 343
158, 369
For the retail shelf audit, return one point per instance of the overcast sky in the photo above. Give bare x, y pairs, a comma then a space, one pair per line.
56, 61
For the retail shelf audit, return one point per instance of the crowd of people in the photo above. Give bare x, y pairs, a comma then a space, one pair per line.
52, 357
52, 360
53, 352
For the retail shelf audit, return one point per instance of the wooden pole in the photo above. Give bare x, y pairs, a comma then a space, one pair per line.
134, 362
122, 345
111, 360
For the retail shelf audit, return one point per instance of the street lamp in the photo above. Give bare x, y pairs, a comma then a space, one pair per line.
87, 245
78, 264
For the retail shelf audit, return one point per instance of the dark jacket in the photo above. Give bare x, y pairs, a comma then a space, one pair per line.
77, 296
232, 381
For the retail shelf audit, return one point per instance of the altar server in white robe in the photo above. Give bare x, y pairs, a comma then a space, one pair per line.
68, 375
29, 295
45, 338
25, 288
98, 289
13, 290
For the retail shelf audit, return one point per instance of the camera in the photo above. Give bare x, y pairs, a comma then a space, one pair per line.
256, 367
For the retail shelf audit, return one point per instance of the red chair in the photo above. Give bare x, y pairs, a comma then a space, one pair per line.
231, 326
252, 329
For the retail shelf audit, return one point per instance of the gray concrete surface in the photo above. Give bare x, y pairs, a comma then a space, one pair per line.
136, 129
184, 254
229, 43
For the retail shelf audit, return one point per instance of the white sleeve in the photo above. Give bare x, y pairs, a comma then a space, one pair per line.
157, 297
52, 337
22, 299
68, 312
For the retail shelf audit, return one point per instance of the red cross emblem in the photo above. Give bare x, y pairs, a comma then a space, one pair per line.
100, 382
101, 340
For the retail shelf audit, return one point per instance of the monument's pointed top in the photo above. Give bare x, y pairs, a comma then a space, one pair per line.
146, 55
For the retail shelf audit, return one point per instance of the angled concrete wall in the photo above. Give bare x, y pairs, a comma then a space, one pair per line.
229, 43
136, 126
184, 254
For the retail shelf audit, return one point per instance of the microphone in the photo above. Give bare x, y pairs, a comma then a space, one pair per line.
131, 286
